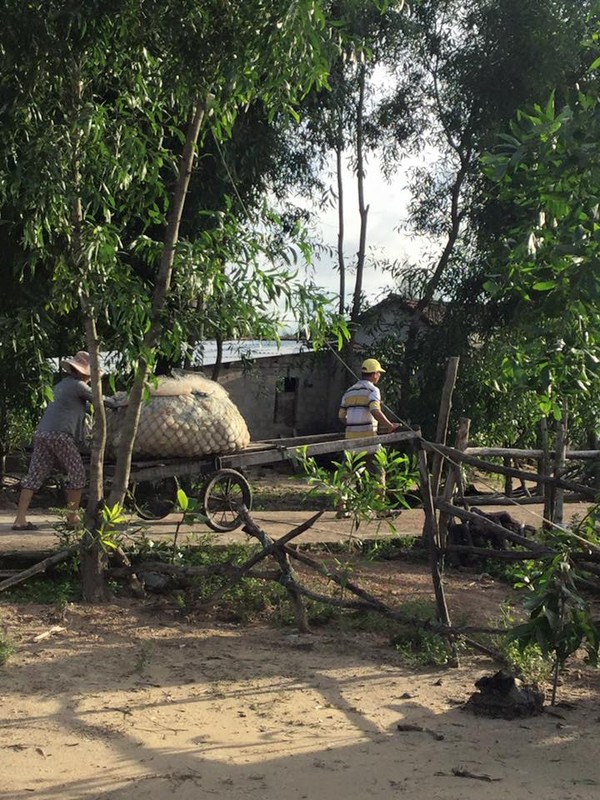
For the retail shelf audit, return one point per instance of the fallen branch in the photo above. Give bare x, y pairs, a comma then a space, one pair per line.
406, 728
343, 582
488, 552
269, 546
464, 773
50, 632
482, 521
41, 566
277, 549
513, 500
180, 571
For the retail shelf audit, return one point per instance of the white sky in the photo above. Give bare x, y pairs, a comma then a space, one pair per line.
388, 202
385, 240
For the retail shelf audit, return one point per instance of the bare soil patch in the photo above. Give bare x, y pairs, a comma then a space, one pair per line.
135, 701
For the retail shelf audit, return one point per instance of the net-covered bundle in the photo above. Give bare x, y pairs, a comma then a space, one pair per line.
186, 416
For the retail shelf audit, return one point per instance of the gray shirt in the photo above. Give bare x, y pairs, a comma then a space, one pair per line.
66, 413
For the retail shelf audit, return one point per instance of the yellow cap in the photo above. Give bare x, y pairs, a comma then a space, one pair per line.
371, 365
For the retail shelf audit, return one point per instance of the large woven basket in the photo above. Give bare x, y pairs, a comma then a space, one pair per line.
185, 417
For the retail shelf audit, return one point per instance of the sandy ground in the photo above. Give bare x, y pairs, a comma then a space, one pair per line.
133, 701
122, 704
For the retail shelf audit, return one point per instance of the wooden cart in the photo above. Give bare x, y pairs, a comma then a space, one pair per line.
219, 482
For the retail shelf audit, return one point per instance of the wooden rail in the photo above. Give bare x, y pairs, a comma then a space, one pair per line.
270, 451
487, 466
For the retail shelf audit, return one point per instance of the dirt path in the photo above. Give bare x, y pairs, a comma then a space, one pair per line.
117, 704
134, 702
275, 523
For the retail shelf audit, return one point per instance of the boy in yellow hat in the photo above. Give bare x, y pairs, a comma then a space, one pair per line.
360, 412
360, 409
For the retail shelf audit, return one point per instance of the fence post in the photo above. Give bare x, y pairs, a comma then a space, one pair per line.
547, 489
559, 465
453, 479
507, 461
443, 417
431, 537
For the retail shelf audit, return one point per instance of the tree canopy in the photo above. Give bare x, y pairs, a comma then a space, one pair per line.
105, 112
149, 147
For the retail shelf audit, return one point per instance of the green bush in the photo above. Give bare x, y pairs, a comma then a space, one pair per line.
418, 646
7, 648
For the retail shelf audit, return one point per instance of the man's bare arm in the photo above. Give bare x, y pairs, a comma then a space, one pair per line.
383, 420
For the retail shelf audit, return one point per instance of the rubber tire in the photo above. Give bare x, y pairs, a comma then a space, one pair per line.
218, 490
162, 501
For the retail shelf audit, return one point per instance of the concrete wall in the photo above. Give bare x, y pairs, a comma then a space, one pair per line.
289, 395
299, 394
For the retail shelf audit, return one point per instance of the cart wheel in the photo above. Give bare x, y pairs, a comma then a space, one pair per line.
224, 493
154, 499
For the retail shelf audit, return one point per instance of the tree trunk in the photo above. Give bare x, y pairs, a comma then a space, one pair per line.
216, 370
92, 556
93, 587
4, 439
339, 148
161, 289
362, 209
456, 216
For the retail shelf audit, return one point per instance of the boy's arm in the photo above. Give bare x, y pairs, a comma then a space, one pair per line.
383, 420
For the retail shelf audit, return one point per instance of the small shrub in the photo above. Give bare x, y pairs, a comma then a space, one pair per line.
353, 487
398, 547
143, 657
370, 622
560, 618
7, 648
418, 646
528, 662
317, 612
58, 590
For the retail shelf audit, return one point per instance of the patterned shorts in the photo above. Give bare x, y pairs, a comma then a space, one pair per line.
54, 451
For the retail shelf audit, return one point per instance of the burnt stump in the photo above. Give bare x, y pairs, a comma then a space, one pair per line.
502, 696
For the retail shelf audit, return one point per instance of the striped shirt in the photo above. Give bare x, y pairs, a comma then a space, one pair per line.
355, 409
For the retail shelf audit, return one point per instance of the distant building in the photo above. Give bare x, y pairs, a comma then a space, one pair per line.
292, 391
206, 352
393, 316
295, 394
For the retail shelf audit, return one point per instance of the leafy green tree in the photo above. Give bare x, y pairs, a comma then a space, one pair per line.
352, 485
560, 619
549, 168
465, 68
92, 109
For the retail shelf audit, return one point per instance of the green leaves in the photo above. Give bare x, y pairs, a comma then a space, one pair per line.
359, 488
110, 533
560, 618
94, 113
549, 168
190, 508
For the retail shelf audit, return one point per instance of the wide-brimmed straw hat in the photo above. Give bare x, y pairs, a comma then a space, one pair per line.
79, 362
